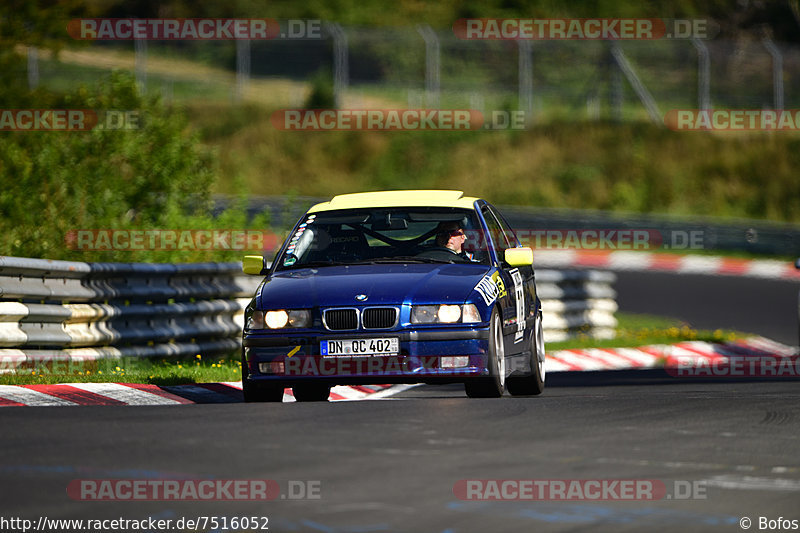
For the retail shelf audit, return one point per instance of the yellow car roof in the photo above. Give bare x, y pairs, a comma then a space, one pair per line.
415, 198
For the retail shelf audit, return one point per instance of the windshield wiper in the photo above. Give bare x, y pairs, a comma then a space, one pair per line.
311, 264
401, 259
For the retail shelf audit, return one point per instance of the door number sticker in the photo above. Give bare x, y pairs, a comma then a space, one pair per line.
516, 277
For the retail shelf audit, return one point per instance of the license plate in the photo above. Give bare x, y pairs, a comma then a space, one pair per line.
381, 346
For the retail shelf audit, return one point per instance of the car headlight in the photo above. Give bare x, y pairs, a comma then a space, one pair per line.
448, 313
444, 314
279, 318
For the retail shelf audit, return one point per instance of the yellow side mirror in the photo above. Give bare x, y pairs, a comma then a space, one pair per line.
253, 264
518, 257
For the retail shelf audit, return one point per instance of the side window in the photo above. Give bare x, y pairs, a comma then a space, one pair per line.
511, 237
496, 232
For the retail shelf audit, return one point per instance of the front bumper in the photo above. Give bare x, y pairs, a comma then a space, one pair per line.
291, 359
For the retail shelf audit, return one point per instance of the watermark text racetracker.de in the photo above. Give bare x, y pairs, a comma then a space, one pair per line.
190, 29
192, 490
123, 29
377, 119
688, 366
578, 490
92, 240
398, 120
583, 29
596, 239
733, 120
68, 119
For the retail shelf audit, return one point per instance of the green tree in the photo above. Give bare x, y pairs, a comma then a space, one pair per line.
154, 176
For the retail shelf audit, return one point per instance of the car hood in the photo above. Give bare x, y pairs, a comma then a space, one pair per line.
382, 284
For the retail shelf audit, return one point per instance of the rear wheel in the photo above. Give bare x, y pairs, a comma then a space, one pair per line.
493, 385
259, 392
311, 392
532, 384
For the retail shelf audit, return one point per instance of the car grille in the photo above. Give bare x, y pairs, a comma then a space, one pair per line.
379, 317
341, 319
371, 318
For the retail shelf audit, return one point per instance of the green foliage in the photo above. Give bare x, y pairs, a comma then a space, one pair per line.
628, 167
643, 330
158, 371
153, 177
39, 24
321, 96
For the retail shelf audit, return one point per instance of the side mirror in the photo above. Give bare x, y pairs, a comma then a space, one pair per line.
253, 264
797, 263
518, 257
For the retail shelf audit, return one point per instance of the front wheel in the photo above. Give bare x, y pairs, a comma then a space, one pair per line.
311, 392
533, 384
493, 385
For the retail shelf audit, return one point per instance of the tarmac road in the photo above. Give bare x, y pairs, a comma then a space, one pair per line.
392, 465
764, 306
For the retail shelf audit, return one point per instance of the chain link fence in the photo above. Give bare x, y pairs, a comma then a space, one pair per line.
418, 67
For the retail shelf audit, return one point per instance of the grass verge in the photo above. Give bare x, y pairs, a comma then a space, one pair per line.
642, 330
129, 370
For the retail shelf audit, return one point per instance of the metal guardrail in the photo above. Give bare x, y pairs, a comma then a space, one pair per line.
577, 302
71, 310
66, 310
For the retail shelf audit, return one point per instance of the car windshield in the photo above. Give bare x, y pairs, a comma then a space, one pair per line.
385, 235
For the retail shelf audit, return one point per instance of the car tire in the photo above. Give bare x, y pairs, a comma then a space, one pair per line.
532, 384
262, 393
259, 392
493, 385
311, 392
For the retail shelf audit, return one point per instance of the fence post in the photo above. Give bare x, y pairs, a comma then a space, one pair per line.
525, 78
242, 67
432, 66
777, 72
341, 62
140, 64
33, 67
703, 74
476, 101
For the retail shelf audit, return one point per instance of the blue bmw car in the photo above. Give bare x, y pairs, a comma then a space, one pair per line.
424, 286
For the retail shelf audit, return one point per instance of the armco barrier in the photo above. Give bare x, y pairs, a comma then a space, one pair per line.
577, 302
70, 310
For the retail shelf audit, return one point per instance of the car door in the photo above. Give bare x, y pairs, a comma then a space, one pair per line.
527, 272
512, 298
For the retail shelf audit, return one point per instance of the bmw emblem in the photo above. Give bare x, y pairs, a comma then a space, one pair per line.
361, 297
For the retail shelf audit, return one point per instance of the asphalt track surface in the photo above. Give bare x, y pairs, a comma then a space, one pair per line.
391, 465
767, 307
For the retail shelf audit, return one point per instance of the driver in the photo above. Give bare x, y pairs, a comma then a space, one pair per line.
451, 235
